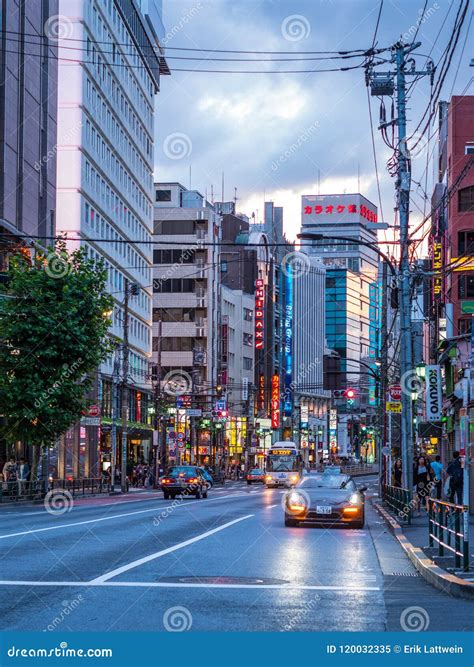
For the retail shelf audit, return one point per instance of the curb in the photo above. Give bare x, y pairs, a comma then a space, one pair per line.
436, 576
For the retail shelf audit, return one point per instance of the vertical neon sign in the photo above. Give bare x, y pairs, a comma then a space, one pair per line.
288, 341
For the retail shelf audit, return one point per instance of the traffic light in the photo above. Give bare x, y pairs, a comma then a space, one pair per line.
219, 390
348, 393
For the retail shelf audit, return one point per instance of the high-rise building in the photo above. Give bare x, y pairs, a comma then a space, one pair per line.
110, 64
28, 112
186, 308
309, 308
351, 269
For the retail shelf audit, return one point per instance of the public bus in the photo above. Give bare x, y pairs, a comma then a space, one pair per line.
284, 464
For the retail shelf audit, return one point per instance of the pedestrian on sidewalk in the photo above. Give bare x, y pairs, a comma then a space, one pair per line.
397, 474
421, 481
10, 475
437, 468
23, 476
456, 480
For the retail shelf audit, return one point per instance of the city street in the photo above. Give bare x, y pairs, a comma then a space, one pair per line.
227, 562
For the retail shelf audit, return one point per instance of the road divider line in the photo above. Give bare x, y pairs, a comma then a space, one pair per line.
164, 552
165, 584
158, 508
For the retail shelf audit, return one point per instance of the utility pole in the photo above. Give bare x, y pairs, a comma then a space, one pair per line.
403, 187
125, 388
159, 453
382, 83
383, 371
113, 428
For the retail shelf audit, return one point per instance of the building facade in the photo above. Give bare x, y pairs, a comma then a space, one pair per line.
28, 121
187, 315
105, 200
309, 345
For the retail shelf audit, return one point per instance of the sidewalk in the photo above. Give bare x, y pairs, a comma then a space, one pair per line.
437, 570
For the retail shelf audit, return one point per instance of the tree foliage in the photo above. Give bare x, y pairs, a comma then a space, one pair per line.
53, 337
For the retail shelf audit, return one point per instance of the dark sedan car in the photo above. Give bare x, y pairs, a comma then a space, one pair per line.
184, 480
326, 499
255, 475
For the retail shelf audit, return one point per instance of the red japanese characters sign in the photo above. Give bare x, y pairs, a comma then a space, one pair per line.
337, 208
259, 314
275, 403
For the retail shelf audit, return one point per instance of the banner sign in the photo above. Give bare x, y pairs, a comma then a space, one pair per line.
433, 394
275, 401
259, 314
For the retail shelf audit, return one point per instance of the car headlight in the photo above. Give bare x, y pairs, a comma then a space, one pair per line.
296, 502
294, 478
355, 499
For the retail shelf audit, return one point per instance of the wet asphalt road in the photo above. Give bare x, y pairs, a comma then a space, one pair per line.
226, 563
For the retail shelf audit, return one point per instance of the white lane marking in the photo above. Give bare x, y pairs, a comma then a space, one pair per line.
270, 506
159, 508
162, 584
164, 552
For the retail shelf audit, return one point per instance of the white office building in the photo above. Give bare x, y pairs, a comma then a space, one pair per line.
109, 74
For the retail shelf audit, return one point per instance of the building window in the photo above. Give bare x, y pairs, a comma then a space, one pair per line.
178, 285
173, 314
469, 149
223, 266
465, 326
163, 195
466, 199
248, 314
174, 256
175, 344
247, 339
248, 364
466, 286
173, 227
465, 243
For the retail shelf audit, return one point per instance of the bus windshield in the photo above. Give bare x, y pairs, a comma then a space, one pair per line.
282, 463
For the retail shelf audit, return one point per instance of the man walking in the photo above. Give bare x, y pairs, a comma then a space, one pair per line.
23, 474
437, 468
456, 475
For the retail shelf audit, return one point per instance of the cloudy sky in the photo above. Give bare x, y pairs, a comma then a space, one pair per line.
275, 135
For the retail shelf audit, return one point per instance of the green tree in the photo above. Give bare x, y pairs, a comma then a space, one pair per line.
54, 318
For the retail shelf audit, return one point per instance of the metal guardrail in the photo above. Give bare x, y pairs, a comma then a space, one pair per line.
360, 469
36, 490
81, 487
399, 500
445, 525
20, 490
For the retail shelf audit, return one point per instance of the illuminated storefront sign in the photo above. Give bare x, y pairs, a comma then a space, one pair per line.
333, 430
259, 314
288, 343
337, 208
275, 404
437, 270
261, 393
